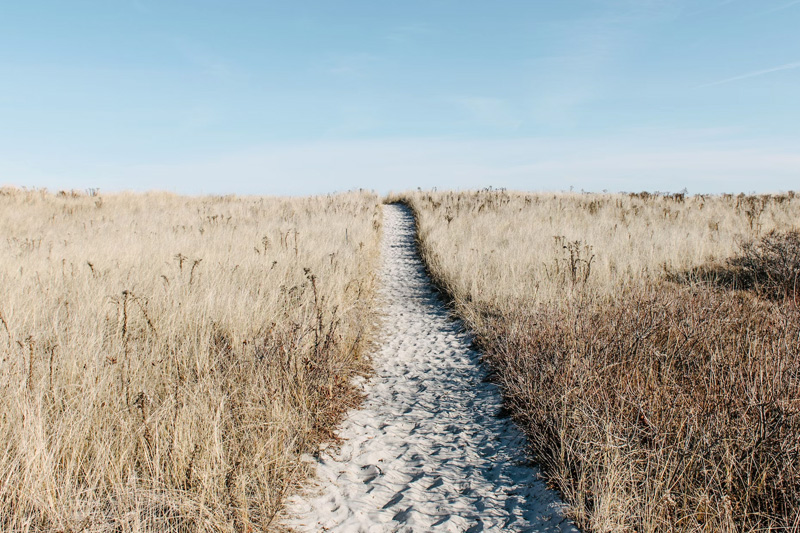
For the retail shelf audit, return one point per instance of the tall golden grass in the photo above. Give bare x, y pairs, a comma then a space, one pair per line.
649, 345
167, 360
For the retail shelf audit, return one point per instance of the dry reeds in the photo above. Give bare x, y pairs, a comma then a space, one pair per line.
652, 405
167, 360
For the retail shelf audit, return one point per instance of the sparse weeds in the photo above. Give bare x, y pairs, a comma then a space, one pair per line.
771, 264
163, 365
652, 406
573, 262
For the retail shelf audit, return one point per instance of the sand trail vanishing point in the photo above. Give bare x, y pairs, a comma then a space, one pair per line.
426, 452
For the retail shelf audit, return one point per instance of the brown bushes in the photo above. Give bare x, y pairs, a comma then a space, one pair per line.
666, 409
771, 264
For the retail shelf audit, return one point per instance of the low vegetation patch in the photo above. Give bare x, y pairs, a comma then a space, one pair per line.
654, 400
771, 265
665, 409
165, 361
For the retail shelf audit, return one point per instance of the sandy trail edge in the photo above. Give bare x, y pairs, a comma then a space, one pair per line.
426, 452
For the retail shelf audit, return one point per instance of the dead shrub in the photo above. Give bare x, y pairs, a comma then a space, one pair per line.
771, 264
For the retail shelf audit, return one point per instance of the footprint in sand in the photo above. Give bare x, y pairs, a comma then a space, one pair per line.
442, 460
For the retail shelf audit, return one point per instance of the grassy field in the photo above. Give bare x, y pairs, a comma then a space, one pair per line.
647, 344
167, 360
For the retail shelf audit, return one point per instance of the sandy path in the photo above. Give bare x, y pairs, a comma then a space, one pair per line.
426, 452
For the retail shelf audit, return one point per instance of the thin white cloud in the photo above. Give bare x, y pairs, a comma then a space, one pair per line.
710, 8
202, 58
141, 7
355, 64
756, 73
784, 6
493, 112
410, 33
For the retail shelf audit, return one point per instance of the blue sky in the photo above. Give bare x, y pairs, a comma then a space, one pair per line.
212, 96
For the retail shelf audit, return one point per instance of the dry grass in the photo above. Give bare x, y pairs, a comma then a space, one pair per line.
167, 360
652, 405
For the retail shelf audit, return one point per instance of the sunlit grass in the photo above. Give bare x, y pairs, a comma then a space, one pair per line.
166, 360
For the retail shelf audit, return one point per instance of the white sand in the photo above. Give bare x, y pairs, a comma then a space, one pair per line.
426, 452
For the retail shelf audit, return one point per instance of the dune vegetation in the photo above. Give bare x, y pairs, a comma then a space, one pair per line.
648, 344
166, 360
